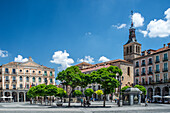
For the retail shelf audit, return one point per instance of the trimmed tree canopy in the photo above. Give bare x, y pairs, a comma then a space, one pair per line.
88, 92
141, 88
61, 92
124, 88
99, 92
77, 93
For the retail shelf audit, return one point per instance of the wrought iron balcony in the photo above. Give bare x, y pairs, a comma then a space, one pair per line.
143, 64
165, 59
157, 71
157, 61
149, 63
143, 73
150, 73
165, 69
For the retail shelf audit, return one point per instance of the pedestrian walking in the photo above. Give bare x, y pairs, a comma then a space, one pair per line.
81, 101
146, 102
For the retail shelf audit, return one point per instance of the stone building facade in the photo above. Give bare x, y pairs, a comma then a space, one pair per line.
16, 78
125, 66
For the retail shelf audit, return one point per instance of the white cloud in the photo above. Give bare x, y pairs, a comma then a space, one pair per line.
103, 59
61, 58
88, 33
160, 28
119, 26
19, 58
87, 59
3, 53
137, 20
143, 32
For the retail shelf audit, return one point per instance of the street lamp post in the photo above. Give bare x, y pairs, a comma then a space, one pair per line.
120, 104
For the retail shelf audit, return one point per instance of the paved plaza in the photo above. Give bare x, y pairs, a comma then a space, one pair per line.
96, 107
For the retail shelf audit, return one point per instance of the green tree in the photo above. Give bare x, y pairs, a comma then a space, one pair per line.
40, 90
70, 77
141, 88
124, 88
88, 92
106, 77
61, 93
77, 93
31, 94
99, 93
51, 90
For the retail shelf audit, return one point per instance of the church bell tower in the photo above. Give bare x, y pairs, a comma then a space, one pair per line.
132, 49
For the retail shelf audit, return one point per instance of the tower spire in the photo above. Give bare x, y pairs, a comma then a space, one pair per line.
131, 18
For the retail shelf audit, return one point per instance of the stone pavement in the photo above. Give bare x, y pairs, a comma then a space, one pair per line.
96, 107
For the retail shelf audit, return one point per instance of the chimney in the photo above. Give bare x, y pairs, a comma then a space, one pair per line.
30, 59
164, 45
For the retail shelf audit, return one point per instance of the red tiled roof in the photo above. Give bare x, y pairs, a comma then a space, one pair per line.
103, 64
85, 63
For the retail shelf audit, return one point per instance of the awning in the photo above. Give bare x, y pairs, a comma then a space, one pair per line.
167, 96
10, 97
157, 96
4, 97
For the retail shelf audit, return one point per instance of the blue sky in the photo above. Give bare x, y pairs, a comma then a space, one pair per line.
39, 28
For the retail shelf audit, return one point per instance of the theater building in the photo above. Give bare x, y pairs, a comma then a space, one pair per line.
17, 77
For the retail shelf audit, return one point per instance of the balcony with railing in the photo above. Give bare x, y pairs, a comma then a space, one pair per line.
7, 81
165, 69
137, 74
137, 65
165, 59
14, 81
157, 71
143, 64
150, 73
157, 61
143, 74
150, 63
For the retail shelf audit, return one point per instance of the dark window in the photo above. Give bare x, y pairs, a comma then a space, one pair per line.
6, 70
39, 72
136, 49
130, 49
33, 71
20, 70
20, 78
137, 64
27, 79
13, 71
27, 71
128, 71
127, 50
20, 85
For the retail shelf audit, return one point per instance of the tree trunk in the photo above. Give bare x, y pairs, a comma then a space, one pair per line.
69, 99
104, 100
50, 100
41, 100
61, 99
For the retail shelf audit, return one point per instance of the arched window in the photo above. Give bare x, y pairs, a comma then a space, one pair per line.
20, 78
128, 71
39, 79
6, 70
130, 49
136, 49
33, 79
27, 79
127, 50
